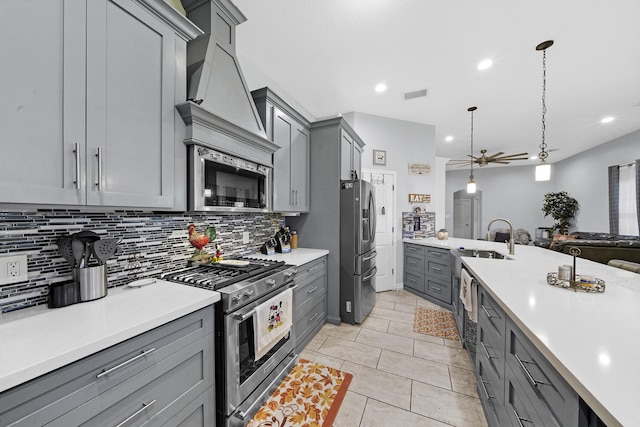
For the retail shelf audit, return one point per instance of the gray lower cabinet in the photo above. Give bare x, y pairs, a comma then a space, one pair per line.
309, 301
162, 377
290, 131
427, 272
516, 384
94, 125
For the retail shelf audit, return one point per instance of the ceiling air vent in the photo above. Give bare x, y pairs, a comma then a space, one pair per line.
415, 94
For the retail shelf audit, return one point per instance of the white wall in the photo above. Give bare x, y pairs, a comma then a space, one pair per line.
404, 142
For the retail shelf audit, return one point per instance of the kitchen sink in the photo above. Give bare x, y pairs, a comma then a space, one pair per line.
481, 253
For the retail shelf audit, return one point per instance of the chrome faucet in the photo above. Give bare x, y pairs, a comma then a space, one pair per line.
511, 243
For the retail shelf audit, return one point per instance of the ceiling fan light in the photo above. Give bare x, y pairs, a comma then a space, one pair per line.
471, 187
543, 172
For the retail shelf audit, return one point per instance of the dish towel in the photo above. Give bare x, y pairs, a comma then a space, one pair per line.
469, 295
272, 322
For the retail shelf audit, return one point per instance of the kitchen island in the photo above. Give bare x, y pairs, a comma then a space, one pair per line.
589, 338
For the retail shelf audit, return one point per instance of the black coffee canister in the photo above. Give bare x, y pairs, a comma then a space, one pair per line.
63, 294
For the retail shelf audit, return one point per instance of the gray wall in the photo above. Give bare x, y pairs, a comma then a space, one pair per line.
507, 192
511, 191
404, 142
584, 176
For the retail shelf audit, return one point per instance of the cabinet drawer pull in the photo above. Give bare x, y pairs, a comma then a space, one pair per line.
310, 291
99, 178
436, 288
520, 419
411, 279
437, 269
125, 363
313, 318
313, 268
435, 253
76, 151
532, 380
484, 388
412, 263
135, 414
487, 313
486, 352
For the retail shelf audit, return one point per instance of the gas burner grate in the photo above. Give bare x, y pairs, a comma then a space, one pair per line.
215, 276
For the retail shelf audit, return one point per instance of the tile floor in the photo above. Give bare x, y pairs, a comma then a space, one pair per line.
400, 378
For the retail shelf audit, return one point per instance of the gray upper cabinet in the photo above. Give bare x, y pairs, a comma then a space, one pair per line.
290, 131
88, 102
350, 154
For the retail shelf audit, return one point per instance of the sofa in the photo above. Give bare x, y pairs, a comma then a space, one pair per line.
600, 247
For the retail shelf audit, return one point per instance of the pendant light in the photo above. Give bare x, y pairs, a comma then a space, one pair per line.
543, 170
471, 185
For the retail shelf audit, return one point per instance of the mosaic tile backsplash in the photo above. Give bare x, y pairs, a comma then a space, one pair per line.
152, 243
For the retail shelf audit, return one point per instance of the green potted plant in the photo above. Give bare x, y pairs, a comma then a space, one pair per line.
562, 208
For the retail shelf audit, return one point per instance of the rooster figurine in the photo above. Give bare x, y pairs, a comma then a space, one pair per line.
199, 241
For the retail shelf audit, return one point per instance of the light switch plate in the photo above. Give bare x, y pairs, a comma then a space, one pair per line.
13, 269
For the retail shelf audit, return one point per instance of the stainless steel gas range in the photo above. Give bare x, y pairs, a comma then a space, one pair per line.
242, 383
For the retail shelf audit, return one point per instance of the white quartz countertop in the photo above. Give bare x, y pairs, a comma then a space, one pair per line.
590, 338
296, 257
39, 340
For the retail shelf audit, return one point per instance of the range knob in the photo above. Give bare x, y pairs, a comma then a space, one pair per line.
248, 293
236, 298
290, 273
271, 282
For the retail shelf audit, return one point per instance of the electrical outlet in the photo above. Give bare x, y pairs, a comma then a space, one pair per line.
245, 237
13, 269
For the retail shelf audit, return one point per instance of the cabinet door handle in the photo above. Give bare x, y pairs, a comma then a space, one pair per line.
487, 313
532, 380
76, 152
312, 290
135, 414
313, 318
296, 197
520, 419
291, 198
484, 388
99, 179
126, 362
486, 352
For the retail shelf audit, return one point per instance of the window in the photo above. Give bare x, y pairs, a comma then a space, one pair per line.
627, 214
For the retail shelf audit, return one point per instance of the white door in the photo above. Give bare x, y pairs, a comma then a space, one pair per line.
386, 259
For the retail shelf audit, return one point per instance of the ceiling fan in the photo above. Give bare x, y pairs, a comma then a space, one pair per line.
484, 160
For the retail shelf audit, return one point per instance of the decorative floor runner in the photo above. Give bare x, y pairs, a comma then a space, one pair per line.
435, 322
310, 395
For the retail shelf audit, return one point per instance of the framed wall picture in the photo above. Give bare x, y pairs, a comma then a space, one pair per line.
379, 157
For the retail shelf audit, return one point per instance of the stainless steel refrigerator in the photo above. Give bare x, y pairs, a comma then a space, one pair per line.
357, 250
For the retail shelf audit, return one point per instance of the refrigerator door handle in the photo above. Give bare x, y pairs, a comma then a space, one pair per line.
373, 215
373, 273
372, 256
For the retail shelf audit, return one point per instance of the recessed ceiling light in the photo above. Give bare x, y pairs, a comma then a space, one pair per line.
449, 138
607, 119
381, 87
533, 158
484, 64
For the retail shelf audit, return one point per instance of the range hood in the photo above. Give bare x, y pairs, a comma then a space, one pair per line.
220, 112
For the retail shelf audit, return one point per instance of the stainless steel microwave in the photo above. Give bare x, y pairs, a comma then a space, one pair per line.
219, 182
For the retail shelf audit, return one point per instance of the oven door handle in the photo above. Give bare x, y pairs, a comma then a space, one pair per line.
242, 317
